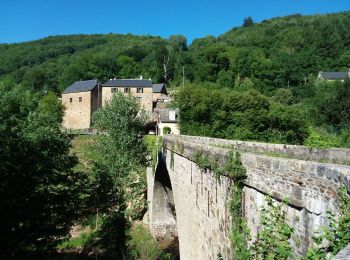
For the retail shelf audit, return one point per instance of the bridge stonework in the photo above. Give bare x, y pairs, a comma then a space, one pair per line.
201, 201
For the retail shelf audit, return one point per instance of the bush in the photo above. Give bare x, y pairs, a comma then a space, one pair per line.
320, 139
142, 245
166, 130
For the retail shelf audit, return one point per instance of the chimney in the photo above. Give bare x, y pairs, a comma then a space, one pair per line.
172, 115
141, 77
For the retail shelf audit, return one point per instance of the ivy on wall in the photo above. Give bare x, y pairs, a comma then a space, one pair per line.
333, 238
273, 237
233, 169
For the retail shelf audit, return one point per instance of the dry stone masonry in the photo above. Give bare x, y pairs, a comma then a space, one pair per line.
201, 200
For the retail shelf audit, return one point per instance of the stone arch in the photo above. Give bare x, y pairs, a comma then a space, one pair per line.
162, 213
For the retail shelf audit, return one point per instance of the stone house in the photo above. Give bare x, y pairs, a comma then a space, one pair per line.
332, 76
80, 100
140, 88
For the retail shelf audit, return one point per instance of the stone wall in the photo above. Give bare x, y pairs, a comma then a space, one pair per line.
77, 114
336, 155
145, 97
202, 215
173, 126
201, 200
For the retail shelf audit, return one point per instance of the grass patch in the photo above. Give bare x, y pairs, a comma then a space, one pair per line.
88, 235
84, 240
142, 245
84, 147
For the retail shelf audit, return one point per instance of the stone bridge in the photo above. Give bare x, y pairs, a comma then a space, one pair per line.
192, 205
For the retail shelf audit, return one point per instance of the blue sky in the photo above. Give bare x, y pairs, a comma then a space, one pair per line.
24, 20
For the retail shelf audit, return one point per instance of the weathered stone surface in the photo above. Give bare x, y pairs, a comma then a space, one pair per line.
335, 155
344, 254
162, 221
201, 208
201, 202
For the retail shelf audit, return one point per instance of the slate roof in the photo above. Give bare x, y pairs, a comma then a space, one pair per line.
334, 75
158, 88
144, 83
81, 86
164, 116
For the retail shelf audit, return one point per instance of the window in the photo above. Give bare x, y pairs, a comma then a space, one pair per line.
139, 90
80, 99
126, 90
70, 100
114, 90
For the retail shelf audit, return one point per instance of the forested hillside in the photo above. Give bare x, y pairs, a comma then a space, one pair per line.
274, 53
256, 82
55, 62
278, 58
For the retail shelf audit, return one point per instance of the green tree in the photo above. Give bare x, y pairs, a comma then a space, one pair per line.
127, 67
248, 21
121, 122
119, 170
273, 239
40, 194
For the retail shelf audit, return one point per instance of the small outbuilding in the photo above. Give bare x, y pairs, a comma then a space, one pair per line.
167, 122
333, 75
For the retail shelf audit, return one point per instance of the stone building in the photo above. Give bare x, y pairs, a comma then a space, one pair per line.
140, 88
167, 118
80, 100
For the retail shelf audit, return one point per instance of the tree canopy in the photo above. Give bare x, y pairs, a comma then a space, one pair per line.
39, 192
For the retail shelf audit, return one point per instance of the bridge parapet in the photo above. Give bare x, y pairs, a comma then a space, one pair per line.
310, 185
333, 155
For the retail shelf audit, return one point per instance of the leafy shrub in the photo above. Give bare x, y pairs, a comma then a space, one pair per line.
166, 130
320, 139
142, 245
333, 238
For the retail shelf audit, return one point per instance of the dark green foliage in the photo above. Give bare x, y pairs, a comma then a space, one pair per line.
275, 53
320, 139
329, 110
204, 162
40, 194
333, 105
240, 234
122, 153
166, 130
121, 124
154, 146
273, 238
118, 172
141, 245
248, 22
280, 58
245, 115
56, 62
